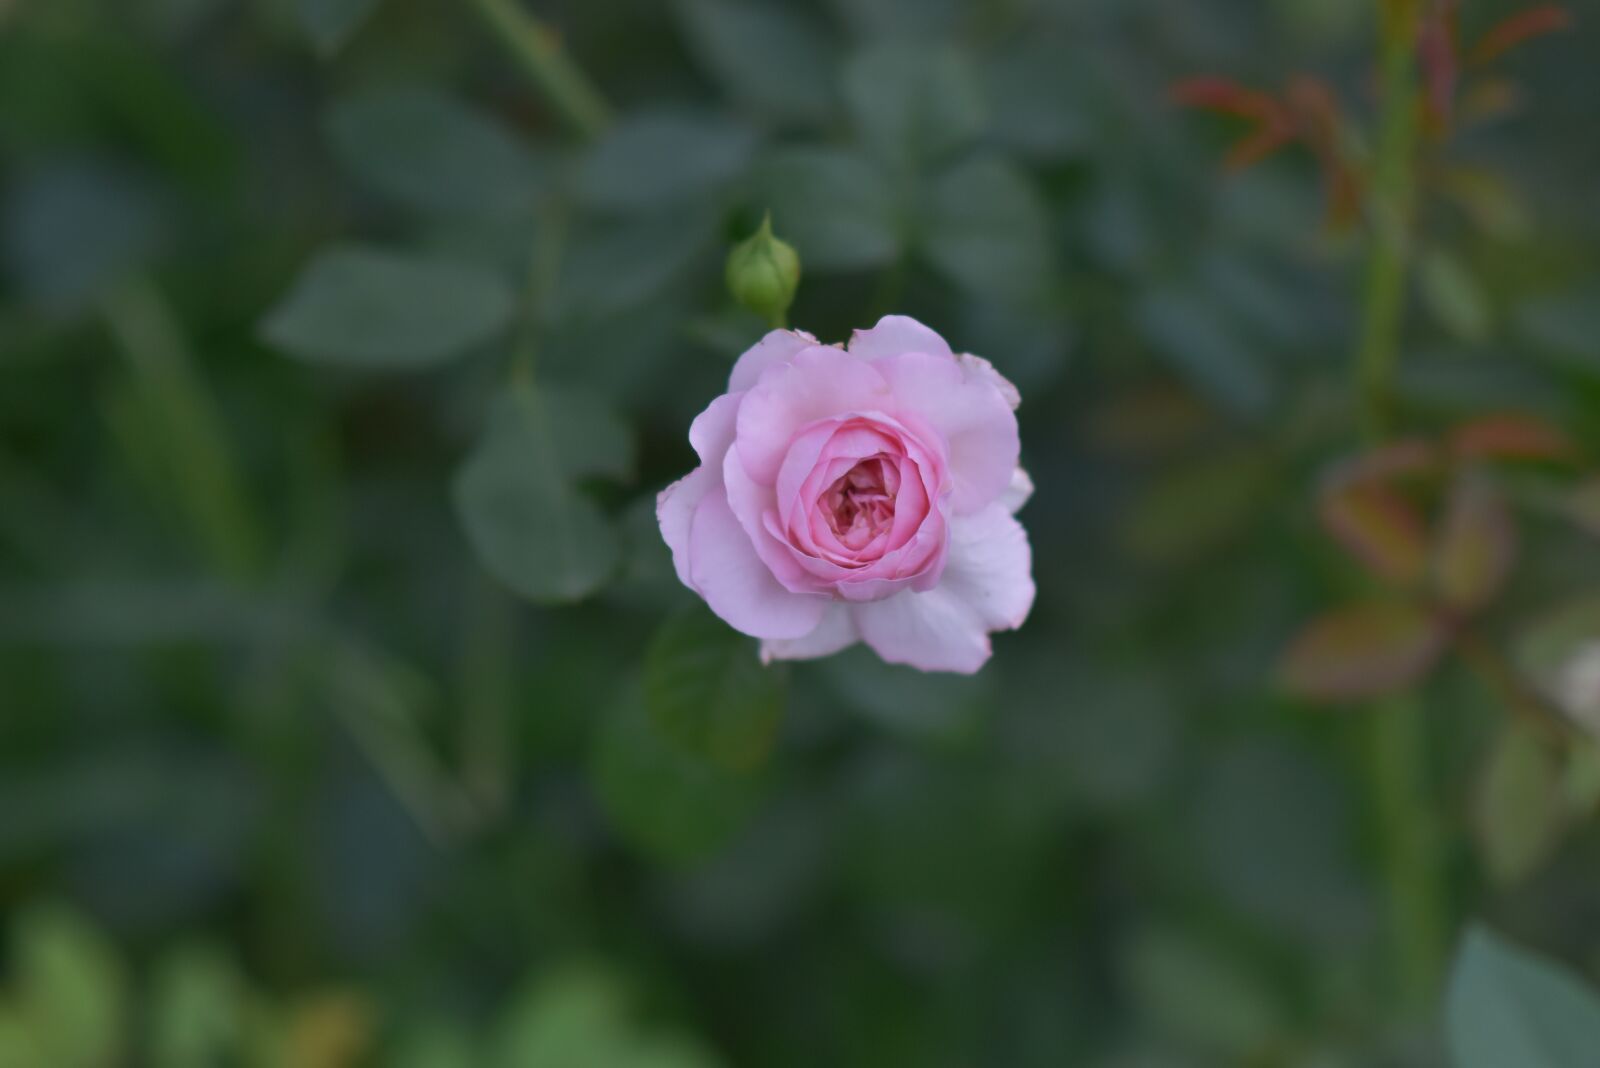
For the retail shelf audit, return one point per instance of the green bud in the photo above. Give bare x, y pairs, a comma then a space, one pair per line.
764, 273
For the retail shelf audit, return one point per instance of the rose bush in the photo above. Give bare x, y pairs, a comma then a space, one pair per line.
860, 493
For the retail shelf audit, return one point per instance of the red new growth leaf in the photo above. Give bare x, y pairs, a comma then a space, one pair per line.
1510, 436
1379, 527
1438, 54
1519, 28
1363, 650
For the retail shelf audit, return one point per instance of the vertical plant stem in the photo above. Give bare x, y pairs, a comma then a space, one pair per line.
538, 49
1391, 202
1402, 797
194, 448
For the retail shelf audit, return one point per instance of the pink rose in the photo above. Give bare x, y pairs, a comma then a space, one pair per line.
860, 494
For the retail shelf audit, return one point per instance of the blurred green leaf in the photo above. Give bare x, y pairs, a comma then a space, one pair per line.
71, 988
664, 798
655, 159
197, 1012
437, 1045
987, 230
619, 264
836, 207
913, 103
529, 525
330, 23
1506, 1006
707, 689
1454, 297
1477, 544
1363, 650
1378, 525
903, 699
1273, 828
1036, 102
772, 58
370, 308
1196, 506
1566, 324
1521, 808
75, 229
1188, 333
428, 151
1194, 992
579, 1018
1560, 651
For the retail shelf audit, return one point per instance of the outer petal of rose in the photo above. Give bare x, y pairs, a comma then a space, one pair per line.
777, 347
895, 334
933, 631
751, 505
711, 434
712, 431
978, 367
817, 383
975, 421
836, 631
675, 508
987, 585
990, 567
724, 568
1018, 493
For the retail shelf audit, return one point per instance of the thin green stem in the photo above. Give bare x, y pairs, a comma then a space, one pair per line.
1392, 206
538, 49
1402, 796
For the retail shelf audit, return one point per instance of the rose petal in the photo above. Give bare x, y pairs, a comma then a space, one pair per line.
675, 507
990, 567
975, 421
978, 367
836, 631
736, 584
712, 431
777, 347
933, 631
816, 384
894, 335
986, 586
1018, 493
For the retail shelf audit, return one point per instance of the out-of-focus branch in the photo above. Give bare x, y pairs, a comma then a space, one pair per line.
538, 49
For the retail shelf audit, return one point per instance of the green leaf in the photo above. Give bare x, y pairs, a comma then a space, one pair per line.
987, 230
773, 58
369, 308
1521, 809
664, 798
1560, 652
1194, 992
1506, 1006
71, 987
72, 231
197, 1016
1037, 103
652, 160
1200, 345
529, 525
428, 151
1477, 544
579, 1017
437, 1045
1566, 324
1363, 650
330, 23
1454, 297
836, 207
620, 264
707, 689
1197, 506
913, 103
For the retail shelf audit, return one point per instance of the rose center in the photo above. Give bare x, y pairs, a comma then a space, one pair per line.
860, 504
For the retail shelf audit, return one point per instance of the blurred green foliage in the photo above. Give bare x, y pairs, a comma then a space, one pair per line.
347, 686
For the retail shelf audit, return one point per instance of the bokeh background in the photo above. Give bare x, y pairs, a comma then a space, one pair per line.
351, 714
